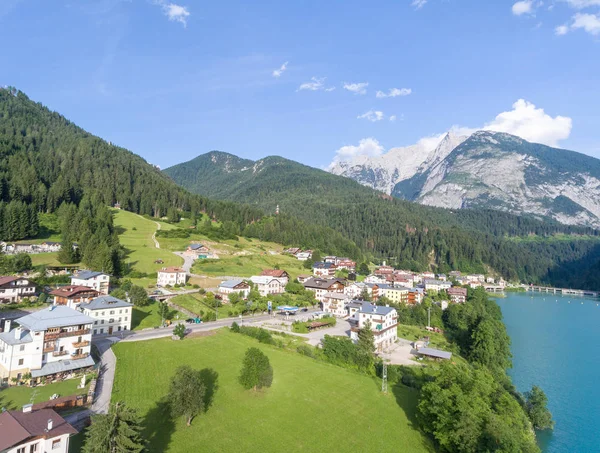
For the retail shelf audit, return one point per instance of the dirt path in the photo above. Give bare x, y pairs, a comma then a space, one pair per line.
156, 244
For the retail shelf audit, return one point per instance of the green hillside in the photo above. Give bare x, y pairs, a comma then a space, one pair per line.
404, 233
311, 406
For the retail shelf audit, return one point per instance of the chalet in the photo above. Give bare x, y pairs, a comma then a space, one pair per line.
28, 431
357, 289
267, 285
234, 286
279, 274
322, 269
383, 321
345, 263
377, 278
415, 296
490, 280
109, 313
335, 303
72, 296
49, 344
98, 281
454, 274
457, 295
15, 289
198, 251
24, 248
292, 251
322, 286
171, 276
303, 277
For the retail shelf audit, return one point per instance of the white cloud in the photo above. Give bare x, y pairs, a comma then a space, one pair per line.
522, 7
372, 115
561, 30
531, 123
315, 84
175, 13
581, 4
366, 147
418, 4
392, 118
357, 88
277, 72
393, 92
588, 22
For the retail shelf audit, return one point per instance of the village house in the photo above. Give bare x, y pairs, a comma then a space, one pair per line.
383, 321
15, 289
234, 286
457, 295
303, 277
476, 278
330, 259
98, 281
335, 304
279, 274
28, 431
171, 276
455, 274
415, 296
292, 251
397, 295
384, 270
50, 343
303, 256
322, 286
353, 306
432, 285
427, 275
377, 278
346, 264
110, 314
72, 296
356, 289
321, 269
442, 277
49, 246
267, 285
198, 251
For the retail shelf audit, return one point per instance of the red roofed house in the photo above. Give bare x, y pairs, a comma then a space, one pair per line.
278, 274
171, 276
30, 431
14, 289
457, 295
73, 295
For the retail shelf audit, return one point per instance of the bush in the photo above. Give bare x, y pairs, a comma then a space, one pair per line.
195, 286
262, 335
306, 350
235, 327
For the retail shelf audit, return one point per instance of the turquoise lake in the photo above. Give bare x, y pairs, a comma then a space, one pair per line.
556, 345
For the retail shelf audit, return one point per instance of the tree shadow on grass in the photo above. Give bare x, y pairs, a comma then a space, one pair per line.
211, 379
407, 399
138, 316
159, 427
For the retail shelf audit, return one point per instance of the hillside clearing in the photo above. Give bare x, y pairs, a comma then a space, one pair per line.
312, 406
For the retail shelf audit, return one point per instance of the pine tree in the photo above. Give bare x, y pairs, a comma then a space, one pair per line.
366, 339
118, 431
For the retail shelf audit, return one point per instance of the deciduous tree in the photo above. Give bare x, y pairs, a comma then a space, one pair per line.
256, 370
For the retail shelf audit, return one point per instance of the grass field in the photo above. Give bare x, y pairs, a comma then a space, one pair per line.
436, 340
135, 235
249, 265
145, 317
15, 397
194, 303
47, 259
311, 406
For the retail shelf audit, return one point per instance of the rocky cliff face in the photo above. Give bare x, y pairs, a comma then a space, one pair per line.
493, 170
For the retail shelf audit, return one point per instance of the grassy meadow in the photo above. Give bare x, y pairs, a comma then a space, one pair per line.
311, 406
147, 317
15, 397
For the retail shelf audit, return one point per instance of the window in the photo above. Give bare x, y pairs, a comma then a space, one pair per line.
95, 323
20, 362
112, 312
33, 448
101, 330
22, 347
95, 331
56, 444
125, 318
102, 321
21, 450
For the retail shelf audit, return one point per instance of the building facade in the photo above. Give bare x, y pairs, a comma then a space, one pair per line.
171, 276
72, 296
267, 285
109, 313
234, 286
50, 343
383, 321
15, 289
98, 281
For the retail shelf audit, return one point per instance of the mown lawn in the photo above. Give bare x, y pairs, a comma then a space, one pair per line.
311, 406
47, 259
145, 317
249, 265
15, 397
135, 235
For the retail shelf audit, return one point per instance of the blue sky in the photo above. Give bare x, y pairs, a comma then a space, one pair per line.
170, 81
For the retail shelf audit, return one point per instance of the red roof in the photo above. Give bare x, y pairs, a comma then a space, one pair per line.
277, 273
171, 270
5, 280
73, 290
17, 426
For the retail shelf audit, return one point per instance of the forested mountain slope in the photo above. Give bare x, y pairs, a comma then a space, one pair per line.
47, 162
408, 234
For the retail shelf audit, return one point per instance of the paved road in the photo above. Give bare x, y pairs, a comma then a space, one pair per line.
188, 261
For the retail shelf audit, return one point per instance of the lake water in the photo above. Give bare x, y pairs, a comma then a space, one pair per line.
556, 345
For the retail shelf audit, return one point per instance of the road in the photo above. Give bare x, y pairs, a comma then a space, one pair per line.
106, 376
156, 243
188, 261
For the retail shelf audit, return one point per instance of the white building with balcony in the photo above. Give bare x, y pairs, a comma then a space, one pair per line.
171, 276
109, 313
48, 344
383, 322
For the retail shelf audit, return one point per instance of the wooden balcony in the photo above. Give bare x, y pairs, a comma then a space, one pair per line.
81, 344
49, 349
79, 356
73, 333
59, 353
